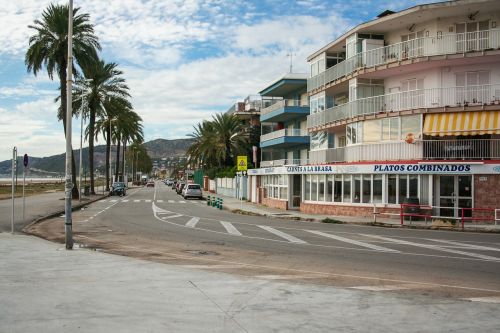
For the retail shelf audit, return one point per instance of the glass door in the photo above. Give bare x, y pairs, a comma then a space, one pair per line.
455, 192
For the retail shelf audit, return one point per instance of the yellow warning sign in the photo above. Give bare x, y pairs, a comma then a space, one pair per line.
242, 163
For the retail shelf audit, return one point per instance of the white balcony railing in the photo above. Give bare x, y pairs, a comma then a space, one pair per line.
407, 100
278, 104
282, 162
282, 133
420, 47
421, 150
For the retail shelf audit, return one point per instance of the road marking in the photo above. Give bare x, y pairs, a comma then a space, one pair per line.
113, 200
434, 247
192, 223
171, 201
281, 234
388, 287
172, 216
159, 200
182, 201
230, 228
137, 200
488, 299
125, 200
287, 277
147, 200
351, 241
468, 246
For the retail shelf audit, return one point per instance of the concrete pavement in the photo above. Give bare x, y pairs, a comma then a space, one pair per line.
44, 288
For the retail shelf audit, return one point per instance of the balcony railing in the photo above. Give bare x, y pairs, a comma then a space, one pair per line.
481, 149
279, 104
282, 162
420, 47
282, 133
407, 100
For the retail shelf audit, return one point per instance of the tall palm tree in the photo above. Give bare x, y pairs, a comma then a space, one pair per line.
48, 48
128, 128
103, 82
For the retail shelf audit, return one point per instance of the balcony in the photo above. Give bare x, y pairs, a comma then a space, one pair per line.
408, 100
471, 149
285, 138
416, 48
282, 162
284, 110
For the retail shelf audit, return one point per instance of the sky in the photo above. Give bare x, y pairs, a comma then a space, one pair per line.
184, 60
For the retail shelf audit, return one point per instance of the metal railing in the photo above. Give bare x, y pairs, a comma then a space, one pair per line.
282, 133
407, 100
282, 162
470, 149
419, 47
279, 104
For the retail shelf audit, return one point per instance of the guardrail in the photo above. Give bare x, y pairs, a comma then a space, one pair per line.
282, 133
419, 47
478, 95
282, 162
278, 104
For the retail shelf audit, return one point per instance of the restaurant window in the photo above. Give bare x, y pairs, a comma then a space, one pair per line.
366, 189
308, 188
346, 189
337, 188
377, 188
392, 189
329, 188
321, 188
314, 188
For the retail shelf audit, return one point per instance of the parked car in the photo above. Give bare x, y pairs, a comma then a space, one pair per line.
118, 188
192, 191
174, 185
150, 183
169, 182
180, 187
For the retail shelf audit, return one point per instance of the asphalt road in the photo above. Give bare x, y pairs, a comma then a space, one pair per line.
157, 224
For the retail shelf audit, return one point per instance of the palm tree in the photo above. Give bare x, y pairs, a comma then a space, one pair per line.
48, 48
103, 82
128, 128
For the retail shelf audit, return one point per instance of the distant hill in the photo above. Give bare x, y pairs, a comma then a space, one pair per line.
54, 165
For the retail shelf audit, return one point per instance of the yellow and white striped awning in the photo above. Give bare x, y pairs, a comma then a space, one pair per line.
462, 123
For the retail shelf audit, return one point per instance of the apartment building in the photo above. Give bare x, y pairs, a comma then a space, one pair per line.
404, 106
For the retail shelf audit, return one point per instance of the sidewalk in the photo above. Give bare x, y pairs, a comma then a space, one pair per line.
245, 207
44, 288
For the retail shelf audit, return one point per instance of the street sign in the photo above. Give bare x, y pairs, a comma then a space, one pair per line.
242, 163
25, 160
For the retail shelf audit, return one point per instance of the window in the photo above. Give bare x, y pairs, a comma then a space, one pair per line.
377, 188
321, 188
413, 186
367, 189
410, 124
308, 188
319, 140
354, 133
403, 181
347, 189
357, 188
390, 129
371, 130
337, 188
392, 189
472, 87
314, 188
276, 186
329, 188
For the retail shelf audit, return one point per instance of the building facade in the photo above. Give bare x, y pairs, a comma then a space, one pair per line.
406, 106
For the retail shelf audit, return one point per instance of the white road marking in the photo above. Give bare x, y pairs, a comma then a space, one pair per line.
388, 287
434, 247
113, 200
172, 216
230, 228
351, 241
159, 200
171, 201
182, 201
137, 200
192, 223
147, 200
287, 277
488, 299
468, 246
281, 234
125, 200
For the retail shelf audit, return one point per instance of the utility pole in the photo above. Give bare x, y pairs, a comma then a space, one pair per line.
14, 167
68, 223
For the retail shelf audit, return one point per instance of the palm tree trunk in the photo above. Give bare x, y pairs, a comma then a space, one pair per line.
123, 163
108, 154
91, 149
62, 81
117, 162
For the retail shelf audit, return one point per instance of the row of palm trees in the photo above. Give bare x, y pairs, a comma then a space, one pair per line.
217, 142
100, 92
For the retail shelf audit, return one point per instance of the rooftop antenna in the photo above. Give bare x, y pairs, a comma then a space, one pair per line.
291, 54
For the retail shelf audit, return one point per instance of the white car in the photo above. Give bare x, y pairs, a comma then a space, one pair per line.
192, 191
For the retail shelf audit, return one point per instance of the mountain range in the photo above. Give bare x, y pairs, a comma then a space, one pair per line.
54, 165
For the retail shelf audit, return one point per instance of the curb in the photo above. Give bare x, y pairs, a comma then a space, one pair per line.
59, 212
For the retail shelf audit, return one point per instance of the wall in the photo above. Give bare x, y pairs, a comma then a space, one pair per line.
226, 186
340, 210
275, 203
487, 191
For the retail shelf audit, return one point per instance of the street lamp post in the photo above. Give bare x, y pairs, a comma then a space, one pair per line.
81, 143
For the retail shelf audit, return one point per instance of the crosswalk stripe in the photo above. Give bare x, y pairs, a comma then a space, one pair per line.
230, 228
281, 234
125, 200
182, 201
137, 200
159, 200
113, 200
192, 223
468, 246
172, 216
351, 241
171, 201
147, 200
434, 247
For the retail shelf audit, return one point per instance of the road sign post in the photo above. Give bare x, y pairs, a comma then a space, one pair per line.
242, 165
25, 163
14, 167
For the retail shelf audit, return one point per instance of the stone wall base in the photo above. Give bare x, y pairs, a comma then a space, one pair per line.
344, 210
275, 203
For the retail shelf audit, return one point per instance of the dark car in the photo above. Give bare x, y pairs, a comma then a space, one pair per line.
118, 188
180, 187
174, 184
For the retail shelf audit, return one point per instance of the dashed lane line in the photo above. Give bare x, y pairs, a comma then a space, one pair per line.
435, 247
486, 299
171, 201
352, 241
136, 200
192, 222
159, 200
388, 287
230, 228
281, 234
171, 216
468, 246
